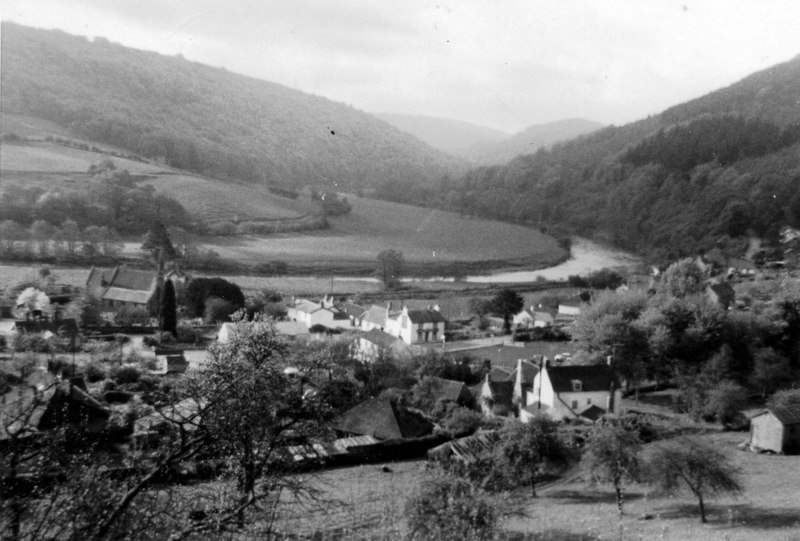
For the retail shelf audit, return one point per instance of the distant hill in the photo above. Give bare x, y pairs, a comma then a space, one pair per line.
529, 140
448, 135
703, 175
205, 119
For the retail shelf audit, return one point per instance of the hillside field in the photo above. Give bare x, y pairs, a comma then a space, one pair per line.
429, 239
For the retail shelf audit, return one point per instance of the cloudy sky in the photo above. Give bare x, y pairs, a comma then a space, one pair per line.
505, 64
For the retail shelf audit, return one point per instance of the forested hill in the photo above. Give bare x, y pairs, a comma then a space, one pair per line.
205, 119
702, 175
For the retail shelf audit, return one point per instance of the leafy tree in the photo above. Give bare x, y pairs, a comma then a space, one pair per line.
390, 267
218, 310
725, 402
10, 233
33, 299
131, 315
526, 451
462, 421
700, 467
157, 244
479, 306
447, 507
784, 398
770, 371
681, 279
200, 289
612, 456
72, 235
259, 409
507, 303
169, 315
42, 232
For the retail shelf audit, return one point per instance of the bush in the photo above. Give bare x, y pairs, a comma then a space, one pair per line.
218, 310
95, 372
725, 403
446, 507
462, 422
126, 375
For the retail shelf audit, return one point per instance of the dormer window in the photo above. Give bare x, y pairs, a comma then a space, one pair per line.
577, 385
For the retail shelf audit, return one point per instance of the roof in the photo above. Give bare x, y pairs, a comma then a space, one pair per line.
529, 371
376, 315
291, 328
467, 449
593, 412
592, 377
304, 305
502, 393
351, 309
499, 374
448, 389
787, 415
127, 295
380, 338
426, 316
384, 420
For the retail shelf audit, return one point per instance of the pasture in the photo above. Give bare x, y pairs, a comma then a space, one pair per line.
425, 236
367, 503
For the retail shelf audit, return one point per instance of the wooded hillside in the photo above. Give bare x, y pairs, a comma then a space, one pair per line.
204, 119
702, 175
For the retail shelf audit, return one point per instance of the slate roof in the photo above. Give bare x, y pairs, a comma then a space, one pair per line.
468, 449
592, 377
384, 420
448, 389
122, 284
789, 415
529, 371
502, 396
351, 309
425, 316
380, 338
593, 412
376, 315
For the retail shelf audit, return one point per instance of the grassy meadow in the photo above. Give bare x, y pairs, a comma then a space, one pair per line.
365, 502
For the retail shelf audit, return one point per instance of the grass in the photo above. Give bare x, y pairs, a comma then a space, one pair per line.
367, 503
432, 241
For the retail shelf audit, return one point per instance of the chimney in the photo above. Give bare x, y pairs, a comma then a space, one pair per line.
519, 389
389, 306
487, 366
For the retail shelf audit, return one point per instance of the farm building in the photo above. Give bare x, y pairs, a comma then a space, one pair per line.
310, 313
417, 326
122, 287
382, 419
777, 430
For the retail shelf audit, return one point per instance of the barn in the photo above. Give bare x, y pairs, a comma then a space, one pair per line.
776, 429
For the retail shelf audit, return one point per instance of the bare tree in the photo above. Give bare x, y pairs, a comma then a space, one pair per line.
612, 456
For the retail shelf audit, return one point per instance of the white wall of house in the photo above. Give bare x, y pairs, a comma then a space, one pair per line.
321, 316
567, 405
414, 333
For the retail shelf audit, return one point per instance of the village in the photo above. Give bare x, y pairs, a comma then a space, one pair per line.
125, 360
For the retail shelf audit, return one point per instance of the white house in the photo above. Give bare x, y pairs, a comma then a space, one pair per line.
310, 313
570, 392
417, 326
375, 317
523, 319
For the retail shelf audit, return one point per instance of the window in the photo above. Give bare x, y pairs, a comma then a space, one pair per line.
588, 401
577, 385
574, 404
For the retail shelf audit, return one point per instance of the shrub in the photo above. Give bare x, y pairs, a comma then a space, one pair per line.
446, 507
95, 372
217, 310
725, 403
462, 422
126, 375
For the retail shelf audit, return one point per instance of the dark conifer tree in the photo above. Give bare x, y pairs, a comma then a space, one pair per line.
157, 245
169, 316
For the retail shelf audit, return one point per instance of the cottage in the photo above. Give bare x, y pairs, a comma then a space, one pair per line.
310, 313
122, 287
375, 317
572, 392
417, 326
776, 429
382, 419
523, 319
373, 344
448, 390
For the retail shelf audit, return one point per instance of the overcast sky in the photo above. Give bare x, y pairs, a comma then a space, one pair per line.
504, 64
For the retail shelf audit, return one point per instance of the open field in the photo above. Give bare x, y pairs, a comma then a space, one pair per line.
425, 236
370, 505
53, 158
215, 200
